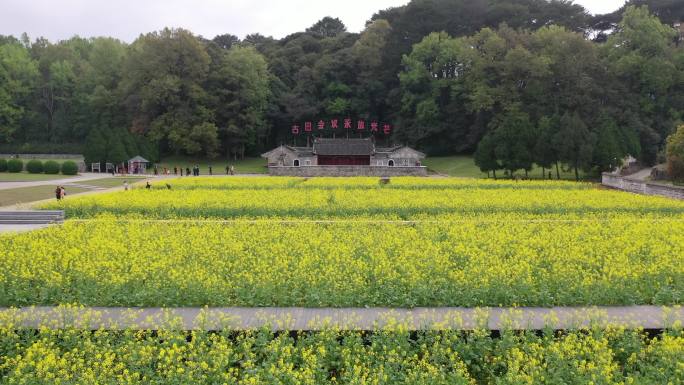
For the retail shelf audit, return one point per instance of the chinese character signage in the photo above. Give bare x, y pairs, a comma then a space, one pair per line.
349, 125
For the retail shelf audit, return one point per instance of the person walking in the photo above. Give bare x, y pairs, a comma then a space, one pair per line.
187, 171
232, 170
181, 170
210, 172
227, 170
62, 192
58, 193
148, 185
125, 185
175, 170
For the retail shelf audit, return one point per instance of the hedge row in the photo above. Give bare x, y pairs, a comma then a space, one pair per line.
35, 166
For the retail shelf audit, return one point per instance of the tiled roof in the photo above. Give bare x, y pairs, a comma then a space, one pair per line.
328, 146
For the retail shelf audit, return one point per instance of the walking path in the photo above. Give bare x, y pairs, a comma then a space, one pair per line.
295, 318
21, 228
641, 175
69, 180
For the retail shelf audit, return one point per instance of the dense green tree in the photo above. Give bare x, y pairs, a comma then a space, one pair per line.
238, 87
485, 155
545, 154
327, 27
574, 142
116, 150
18, 74
640, 53
675, 154
164, 76
448, 74
96, 147
608, 149
514, 135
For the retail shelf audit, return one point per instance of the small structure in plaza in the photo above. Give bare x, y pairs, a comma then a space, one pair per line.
345, 157
138, 165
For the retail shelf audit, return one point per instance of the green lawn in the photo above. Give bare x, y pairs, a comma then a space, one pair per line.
36, 193
457, 165
245, 166
26, 177
464, 166
31, 194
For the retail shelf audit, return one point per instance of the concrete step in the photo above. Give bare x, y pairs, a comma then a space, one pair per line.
31, 217
26, 222
33, 212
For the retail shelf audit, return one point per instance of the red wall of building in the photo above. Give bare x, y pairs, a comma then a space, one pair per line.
342, 160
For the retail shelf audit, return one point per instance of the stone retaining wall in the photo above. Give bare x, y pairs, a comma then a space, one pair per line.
311, 171
640, 187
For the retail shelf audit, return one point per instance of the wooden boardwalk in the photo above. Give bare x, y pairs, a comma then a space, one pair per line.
294, 318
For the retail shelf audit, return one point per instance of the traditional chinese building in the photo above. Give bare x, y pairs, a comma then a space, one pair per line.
345, 157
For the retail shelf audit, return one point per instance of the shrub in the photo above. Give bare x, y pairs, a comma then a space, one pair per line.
34, 166
15, 165
675, 154
69, 168
51, 167
3, 165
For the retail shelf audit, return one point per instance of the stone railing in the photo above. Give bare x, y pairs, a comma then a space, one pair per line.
641, 187
311, 171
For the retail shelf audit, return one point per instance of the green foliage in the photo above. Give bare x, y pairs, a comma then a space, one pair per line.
34, 166
641, 54
574, 142
15, 165
675, 154
485, 155
18, 73
3, 165
327, 27
96, 147
173, 101
69, 168
239, 91
51, 167
515, 139
441, 71
390, 356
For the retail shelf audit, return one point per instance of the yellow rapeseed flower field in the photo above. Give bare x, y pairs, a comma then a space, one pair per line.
74, 356
347, 242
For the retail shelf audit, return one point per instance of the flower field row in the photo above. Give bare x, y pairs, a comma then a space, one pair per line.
110, 263
326, 203
333, 357
406, 183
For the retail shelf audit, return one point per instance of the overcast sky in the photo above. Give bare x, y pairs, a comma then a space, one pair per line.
126, 19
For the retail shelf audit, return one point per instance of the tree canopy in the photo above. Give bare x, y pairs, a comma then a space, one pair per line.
516, 82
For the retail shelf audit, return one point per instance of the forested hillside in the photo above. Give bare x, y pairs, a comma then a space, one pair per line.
515, 82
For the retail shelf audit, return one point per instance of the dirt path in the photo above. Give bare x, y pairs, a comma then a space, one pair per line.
531, 318
641, 175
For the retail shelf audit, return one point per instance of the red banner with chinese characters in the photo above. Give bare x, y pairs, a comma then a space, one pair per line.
348, 124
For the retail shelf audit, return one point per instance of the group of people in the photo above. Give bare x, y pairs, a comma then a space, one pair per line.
148, 186
60, 193
164, 171
230, 170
